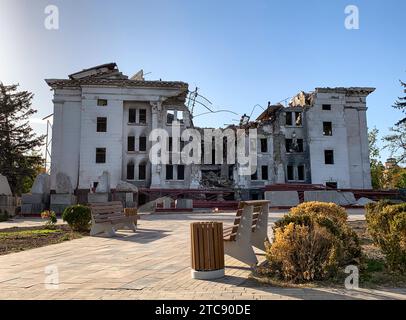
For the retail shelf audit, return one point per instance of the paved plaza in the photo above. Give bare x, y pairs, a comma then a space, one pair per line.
153, 263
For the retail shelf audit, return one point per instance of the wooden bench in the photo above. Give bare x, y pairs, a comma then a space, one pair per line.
107, 217
250, 228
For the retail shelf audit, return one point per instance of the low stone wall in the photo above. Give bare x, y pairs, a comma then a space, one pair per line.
282, 198
337, 197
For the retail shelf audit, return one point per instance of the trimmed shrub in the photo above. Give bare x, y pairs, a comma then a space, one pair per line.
78, 217
387, 227
311, 243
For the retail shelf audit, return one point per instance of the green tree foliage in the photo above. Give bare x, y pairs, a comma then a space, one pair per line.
377, 168
19, 161
400, 104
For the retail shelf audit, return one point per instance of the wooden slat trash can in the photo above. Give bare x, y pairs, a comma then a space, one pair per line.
207, 250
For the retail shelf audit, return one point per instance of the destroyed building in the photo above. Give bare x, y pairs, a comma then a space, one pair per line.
102, 121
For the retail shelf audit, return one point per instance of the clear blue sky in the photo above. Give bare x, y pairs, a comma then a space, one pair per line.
239, 53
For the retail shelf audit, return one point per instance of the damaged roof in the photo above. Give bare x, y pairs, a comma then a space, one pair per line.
110, 76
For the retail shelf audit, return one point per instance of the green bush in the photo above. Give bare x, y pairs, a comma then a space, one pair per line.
312, 242
3, 216
387, 227
78, 217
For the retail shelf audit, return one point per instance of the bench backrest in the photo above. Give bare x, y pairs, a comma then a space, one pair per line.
258, 208
105, 210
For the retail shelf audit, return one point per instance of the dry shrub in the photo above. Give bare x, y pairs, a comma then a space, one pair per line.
387, 227
311, 243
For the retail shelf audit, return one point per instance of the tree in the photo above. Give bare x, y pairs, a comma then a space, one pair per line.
400, 104
377, 168
19, 160
396, 140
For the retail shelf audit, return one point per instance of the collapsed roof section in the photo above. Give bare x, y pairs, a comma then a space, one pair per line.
110, 76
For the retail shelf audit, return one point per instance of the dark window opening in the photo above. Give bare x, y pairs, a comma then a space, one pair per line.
298, 118
300, 173
332, 185
142, 172
130, 171
328, 156
131, 115
289, 145
181, 172
254, 176
289, 118
170, 144
101, 102
231, 172
326, 107
291, 175
264, 172
143, 116
169, 172
327, 129
170, 116
101, 124
143, 143
131, 143
299, 147
100, 155
264, 145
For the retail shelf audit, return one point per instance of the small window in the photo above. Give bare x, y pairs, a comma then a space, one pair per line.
289, 145
300, 173
326, 107
100, 155
264, 145
130, 171
131, 143
101, 124
169, 172
327, 129
289, 118
254, 176
291, 175
101, 102
170, 144
131, 115
142, 172
231, 172
331, 185
179, 116
298, 118
299, 147
264, 172
143, 116
181, 172
143, 143
328, 156
170, 116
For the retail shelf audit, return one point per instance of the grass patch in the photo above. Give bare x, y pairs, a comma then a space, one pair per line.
19, 239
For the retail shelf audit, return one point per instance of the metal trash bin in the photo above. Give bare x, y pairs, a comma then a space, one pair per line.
207, 250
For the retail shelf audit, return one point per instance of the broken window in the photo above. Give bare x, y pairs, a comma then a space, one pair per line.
289, 118
131, 115
169, 172
101, 124
170, 116
143, 144
264, 145
290, 173
130, 171
181, 172
142, 172
101, 102
264, 172
331, 185
131, 143
298, 118
100, 155
254, 176
289, 145
142, 116
326, 107
327, 129
328, 156
300, 173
